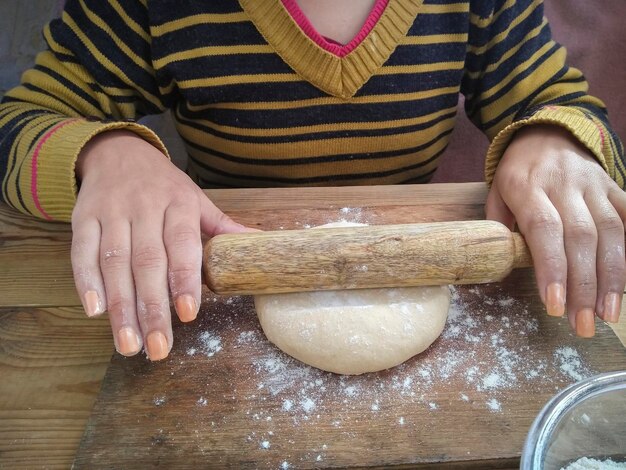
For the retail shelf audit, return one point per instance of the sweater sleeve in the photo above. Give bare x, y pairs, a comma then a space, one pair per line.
516, 75
96, 75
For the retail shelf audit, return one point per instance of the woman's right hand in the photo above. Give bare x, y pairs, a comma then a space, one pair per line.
137, 229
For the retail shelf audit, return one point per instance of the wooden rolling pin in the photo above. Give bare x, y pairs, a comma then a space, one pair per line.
468, 252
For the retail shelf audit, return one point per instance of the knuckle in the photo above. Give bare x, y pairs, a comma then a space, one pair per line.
613, 268
117, 304
183, 235
152, 309
114, 258
615, 272
582, 230
554, 260
610, 223
148, 257
511, 179
184, 273
585, 286
543, 221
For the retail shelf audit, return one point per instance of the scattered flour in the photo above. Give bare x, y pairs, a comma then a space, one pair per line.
570, 363
210, 344
587, 463
494, 405
159, 401
479, 358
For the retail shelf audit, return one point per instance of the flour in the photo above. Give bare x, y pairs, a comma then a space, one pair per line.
160, 400
209, 344
494, 405
350, 214
477, 363
587, 463
505, 364
570, 363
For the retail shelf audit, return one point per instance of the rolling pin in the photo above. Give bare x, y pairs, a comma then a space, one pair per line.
467, 252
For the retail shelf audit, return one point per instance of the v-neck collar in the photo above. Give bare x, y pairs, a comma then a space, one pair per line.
338, 76
331, 45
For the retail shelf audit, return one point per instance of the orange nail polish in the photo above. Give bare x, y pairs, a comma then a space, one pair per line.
128, 341
612, 307
585, 323
157, 346
186, 308
555, 299
93, 306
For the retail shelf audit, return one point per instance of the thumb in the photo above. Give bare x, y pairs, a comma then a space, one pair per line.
496, 209
214, 222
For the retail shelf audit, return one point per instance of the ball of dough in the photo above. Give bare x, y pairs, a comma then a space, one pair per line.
355, 331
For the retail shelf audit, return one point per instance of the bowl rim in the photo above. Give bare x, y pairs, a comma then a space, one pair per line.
533, 456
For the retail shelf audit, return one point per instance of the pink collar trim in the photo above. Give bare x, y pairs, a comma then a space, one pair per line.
329, 45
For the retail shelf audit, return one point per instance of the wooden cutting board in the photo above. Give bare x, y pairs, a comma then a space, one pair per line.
226, 397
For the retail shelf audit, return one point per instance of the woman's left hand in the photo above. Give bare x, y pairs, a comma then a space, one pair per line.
572, 215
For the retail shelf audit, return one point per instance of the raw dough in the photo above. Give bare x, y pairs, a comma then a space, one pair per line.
355, 331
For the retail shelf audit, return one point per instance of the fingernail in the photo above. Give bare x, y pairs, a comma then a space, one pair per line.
93, 306
612, 307
186, 308
555, 299
585, 323
157, 346
127, 341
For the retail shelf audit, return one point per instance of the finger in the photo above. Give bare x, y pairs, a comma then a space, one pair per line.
149, 267
120, 291
214, 222
85, 255
181, 234
540, 223
496, 209
617, 197
581, 243
610, 264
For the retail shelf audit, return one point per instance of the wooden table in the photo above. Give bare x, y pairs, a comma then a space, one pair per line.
53, 359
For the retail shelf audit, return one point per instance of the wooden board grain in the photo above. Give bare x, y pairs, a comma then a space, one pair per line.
226, 397
52, 362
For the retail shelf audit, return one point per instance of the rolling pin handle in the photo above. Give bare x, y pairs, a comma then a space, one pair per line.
521, 256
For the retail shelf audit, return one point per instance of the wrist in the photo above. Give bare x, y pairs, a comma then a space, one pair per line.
106, 147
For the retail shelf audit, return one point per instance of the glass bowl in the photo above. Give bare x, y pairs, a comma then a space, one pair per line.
587, 419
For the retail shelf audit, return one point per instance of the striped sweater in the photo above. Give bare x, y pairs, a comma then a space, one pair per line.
260, 99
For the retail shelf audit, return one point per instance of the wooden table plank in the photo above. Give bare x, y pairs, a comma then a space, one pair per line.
52, 362
226, 397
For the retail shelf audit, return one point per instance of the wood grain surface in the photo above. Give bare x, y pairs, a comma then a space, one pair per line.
52, 362
372, 256
52, 358
226, 397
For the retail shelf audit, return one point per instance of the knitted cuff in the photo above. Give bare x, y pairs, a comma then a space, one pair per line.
589, 132
53, 181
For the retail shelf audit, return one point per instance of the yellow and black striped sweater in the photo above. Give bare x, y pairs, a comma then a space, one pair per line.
258, 102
